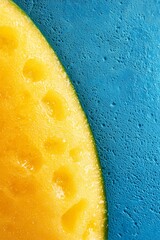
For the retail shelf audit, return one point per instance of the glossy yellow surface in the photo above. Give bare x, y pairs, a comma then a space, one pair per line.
50, 182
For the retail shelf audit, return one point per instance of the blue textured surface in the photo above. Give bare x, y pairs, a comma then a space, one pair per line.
111, 51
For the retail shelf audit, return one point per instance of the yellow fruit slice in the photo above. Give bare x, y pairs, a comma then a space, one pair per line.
50, 182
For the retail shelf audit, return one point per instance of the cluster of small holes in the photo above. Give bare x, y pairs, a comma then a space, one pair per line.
63, 179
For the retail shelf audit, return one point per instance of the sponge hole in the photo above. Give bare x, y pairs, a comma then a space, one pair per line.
28, 154
76, 154
72, 218
8, 39
22, 185
34, 70
56, 104
63, 183
56, 145
30, 160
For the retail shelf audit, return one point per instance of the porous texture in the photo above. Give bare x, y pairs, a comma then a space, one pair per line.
110, 49
50, 181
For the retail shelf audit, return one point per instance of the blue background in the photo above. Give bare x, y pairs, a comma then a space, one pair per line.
111, 51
